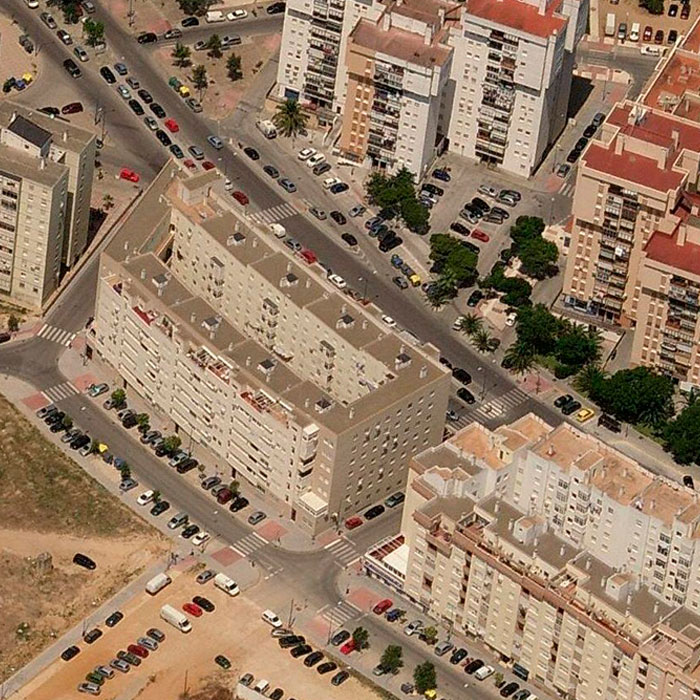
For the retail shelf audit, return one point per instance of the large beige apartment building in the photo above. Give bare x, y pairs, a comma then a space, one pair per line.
565, 557
46, 171
305, 394
411, 78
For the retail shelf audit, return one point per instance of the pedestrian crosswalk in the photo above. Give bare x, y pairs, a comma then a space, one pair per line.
340, 613
274, 214
59, 392
56, 335
342, 551
567, 189
248, 544
492, 409
268, 563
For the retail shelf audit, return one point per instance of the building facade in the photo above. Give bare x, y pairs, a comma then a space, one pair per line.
47, 171
565, 557
301, 391
488, 80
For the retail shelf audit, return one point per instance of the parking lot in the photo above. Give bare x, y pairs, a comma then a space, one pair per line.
234, 629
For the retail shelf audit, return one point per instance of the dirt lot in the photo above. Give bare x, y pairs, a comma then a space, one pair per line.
183, 666
50, 505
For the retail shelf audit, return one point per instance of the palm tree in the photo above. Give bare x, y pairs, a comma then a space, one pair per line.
200, 79
588, 377
214, 46
233, 67
289, 118
470, 324
519, 357
181, 54
482, 340
107, 201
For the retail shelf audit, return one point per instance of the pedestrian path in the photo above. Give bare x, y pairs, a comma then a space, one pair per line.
340, 613
343, 551
274, 214
493, 408
249, 544
59, 392
56, 335
567, 189
267, 562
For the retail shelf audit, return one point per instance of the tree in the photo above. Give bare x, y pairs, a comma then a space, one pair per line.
538, 258
200, 79
181, 54
195, 7
391, 660
470, 324
682, 435
94, 446
526, 228
234, 69
637, 395
589, 377
519, 357
482, 340
537, 329
430, 635
415, 215
654, 7
456, 265
213, 46
94, 31
497, 679
234, 487
517, 292
289, 118
12, 323
67, 422
118, 397
156, 496
107, 202
424, 677
578, 346
172, 444
361, 638
125, 471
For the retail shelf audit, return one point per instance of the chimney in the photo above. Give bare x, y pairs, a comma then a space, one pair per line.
255, 242
496, 507
352, 412
656, 607
619, 146
143, 273
247, 361
289, 266
193, 317
675, 137
562, 549
343, 310
306, 402
386, 19
42, 163
588, 564
551, 451
65, 136
423, 372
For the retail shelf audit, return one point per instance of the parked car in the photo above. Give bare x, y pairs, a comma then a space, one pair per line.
353, 522
85, 561
257, 517
115, 618
374, 512
340, 637
382, 606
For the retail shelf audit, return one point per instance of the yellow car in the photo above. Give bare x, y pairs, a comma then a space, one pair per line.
585, 414
414, 280
184, 91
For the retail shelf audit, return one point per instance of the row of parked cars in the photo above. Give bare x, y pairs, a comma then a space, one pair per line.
576, 151
300, 649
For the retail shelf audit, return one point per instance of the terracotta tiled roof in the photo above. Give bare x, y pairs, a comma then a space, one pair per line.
519, 15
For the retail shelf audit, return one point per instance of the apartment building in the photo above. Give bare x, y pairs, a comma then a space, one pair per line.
75, 149
45, 202
305, 394
565, 557
397, 69
488, 80
511, 79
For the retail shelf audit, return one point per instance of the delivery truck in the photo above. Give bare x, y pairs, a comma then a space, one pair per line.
175, 618
267, 128
610, 24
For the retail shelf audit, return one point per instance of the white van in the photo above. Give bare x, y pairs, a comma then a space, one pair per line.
278, 230
261, 686
226, 584
214, 16
158, 583
484, 672
634, 32
271, 619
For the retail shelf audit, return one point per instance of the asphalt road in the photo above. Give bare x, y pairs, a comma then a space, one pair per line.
248, 27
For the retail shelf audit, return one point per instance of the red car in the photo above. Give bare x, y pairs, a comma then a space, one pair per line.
208, 165
138, 650
348, 647
382, 606
659, 37
130, 175
192, 609
352, 523
240, 197
189, 164
648, 33
171, 125
72, 108
480, 236
309, 256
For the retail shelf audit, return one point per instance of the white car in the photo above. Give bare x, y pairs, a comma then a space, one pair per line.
306, 153
329, 182
145, 498
337, 281
389, 321
236, 14
200, 538
32, 4
315, 160
124, 92
272, 619
510, 318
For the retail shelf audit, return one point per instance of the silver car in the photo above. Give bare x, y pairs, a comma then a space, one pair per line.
124, 92
91, 688
104, 671
413, 627
148, 643
257, 517
120, 665
81, 54
206, 575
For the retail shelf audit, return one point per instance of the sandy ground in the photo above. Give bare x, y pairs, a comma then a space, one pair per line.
14, 60
187, 661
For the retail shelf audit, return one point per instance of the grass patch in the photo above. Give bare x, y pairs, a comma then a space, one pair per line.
650, 432
42, 489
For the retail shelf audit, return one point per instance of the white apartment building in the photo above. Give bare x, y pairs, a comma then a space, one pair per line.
509, 66
490, 526
47, 175
302, 392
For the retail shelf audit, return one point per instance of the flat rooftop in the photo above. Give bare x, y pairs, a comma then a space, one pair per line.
20, 164
519, 16
665, 248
